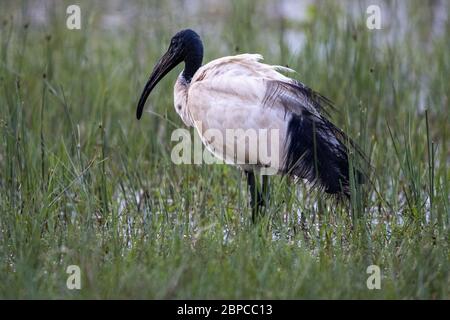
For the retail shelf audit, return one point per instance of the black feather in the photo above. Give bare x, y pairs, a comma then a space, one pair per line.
296, 97
314, 153
316, 149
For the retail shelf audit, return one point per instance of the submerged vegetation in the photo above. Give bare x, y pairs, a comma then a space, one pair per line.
82, 182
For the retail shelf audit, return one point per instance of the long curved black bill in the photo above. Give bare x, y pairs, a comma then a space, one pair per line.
164, 65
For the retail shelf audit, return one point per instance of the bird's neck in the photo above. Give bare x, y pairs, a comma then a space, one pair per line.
193, 60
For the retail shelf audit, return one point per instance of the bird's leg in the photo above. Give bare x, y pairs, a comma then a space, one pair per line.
255, 195
265, 190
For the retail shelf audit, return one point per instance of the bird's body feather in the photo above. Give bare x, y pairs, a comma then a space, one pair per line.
239, 92
227, 94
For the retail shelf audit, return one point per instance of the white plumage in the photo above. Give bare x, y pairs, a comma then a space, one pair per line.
228, 93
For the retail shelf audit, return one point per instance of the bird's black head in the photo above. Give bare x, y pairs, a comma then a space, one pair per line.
185, 46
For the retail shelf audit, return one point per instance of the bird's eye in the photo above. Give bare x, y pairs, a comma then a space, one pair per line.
173, 45
174, 42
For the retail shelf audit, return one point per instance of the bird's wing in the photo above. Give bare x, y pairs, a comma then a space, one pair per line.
227, 94
280, 90
295, 97
316, 148
241, 92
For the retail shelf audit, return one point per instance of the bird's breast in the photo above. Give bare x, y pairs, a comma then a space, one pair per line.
180, 98
241, 133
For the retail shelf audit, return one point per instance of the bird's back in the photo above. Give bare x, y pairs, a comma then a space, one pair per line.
246, 64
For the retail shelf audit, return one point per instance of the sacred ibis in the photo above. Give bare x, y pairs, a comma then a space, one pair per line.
241, 92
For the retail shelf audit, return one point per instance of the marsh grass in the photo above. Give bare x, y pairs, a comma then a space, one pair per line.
82, 182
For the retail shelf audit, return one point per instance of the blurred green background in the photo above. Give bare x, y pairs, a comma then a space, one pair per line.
82, 182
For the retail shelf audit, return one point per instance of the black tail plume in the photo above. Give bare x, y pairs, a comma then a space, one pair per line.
316, 150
